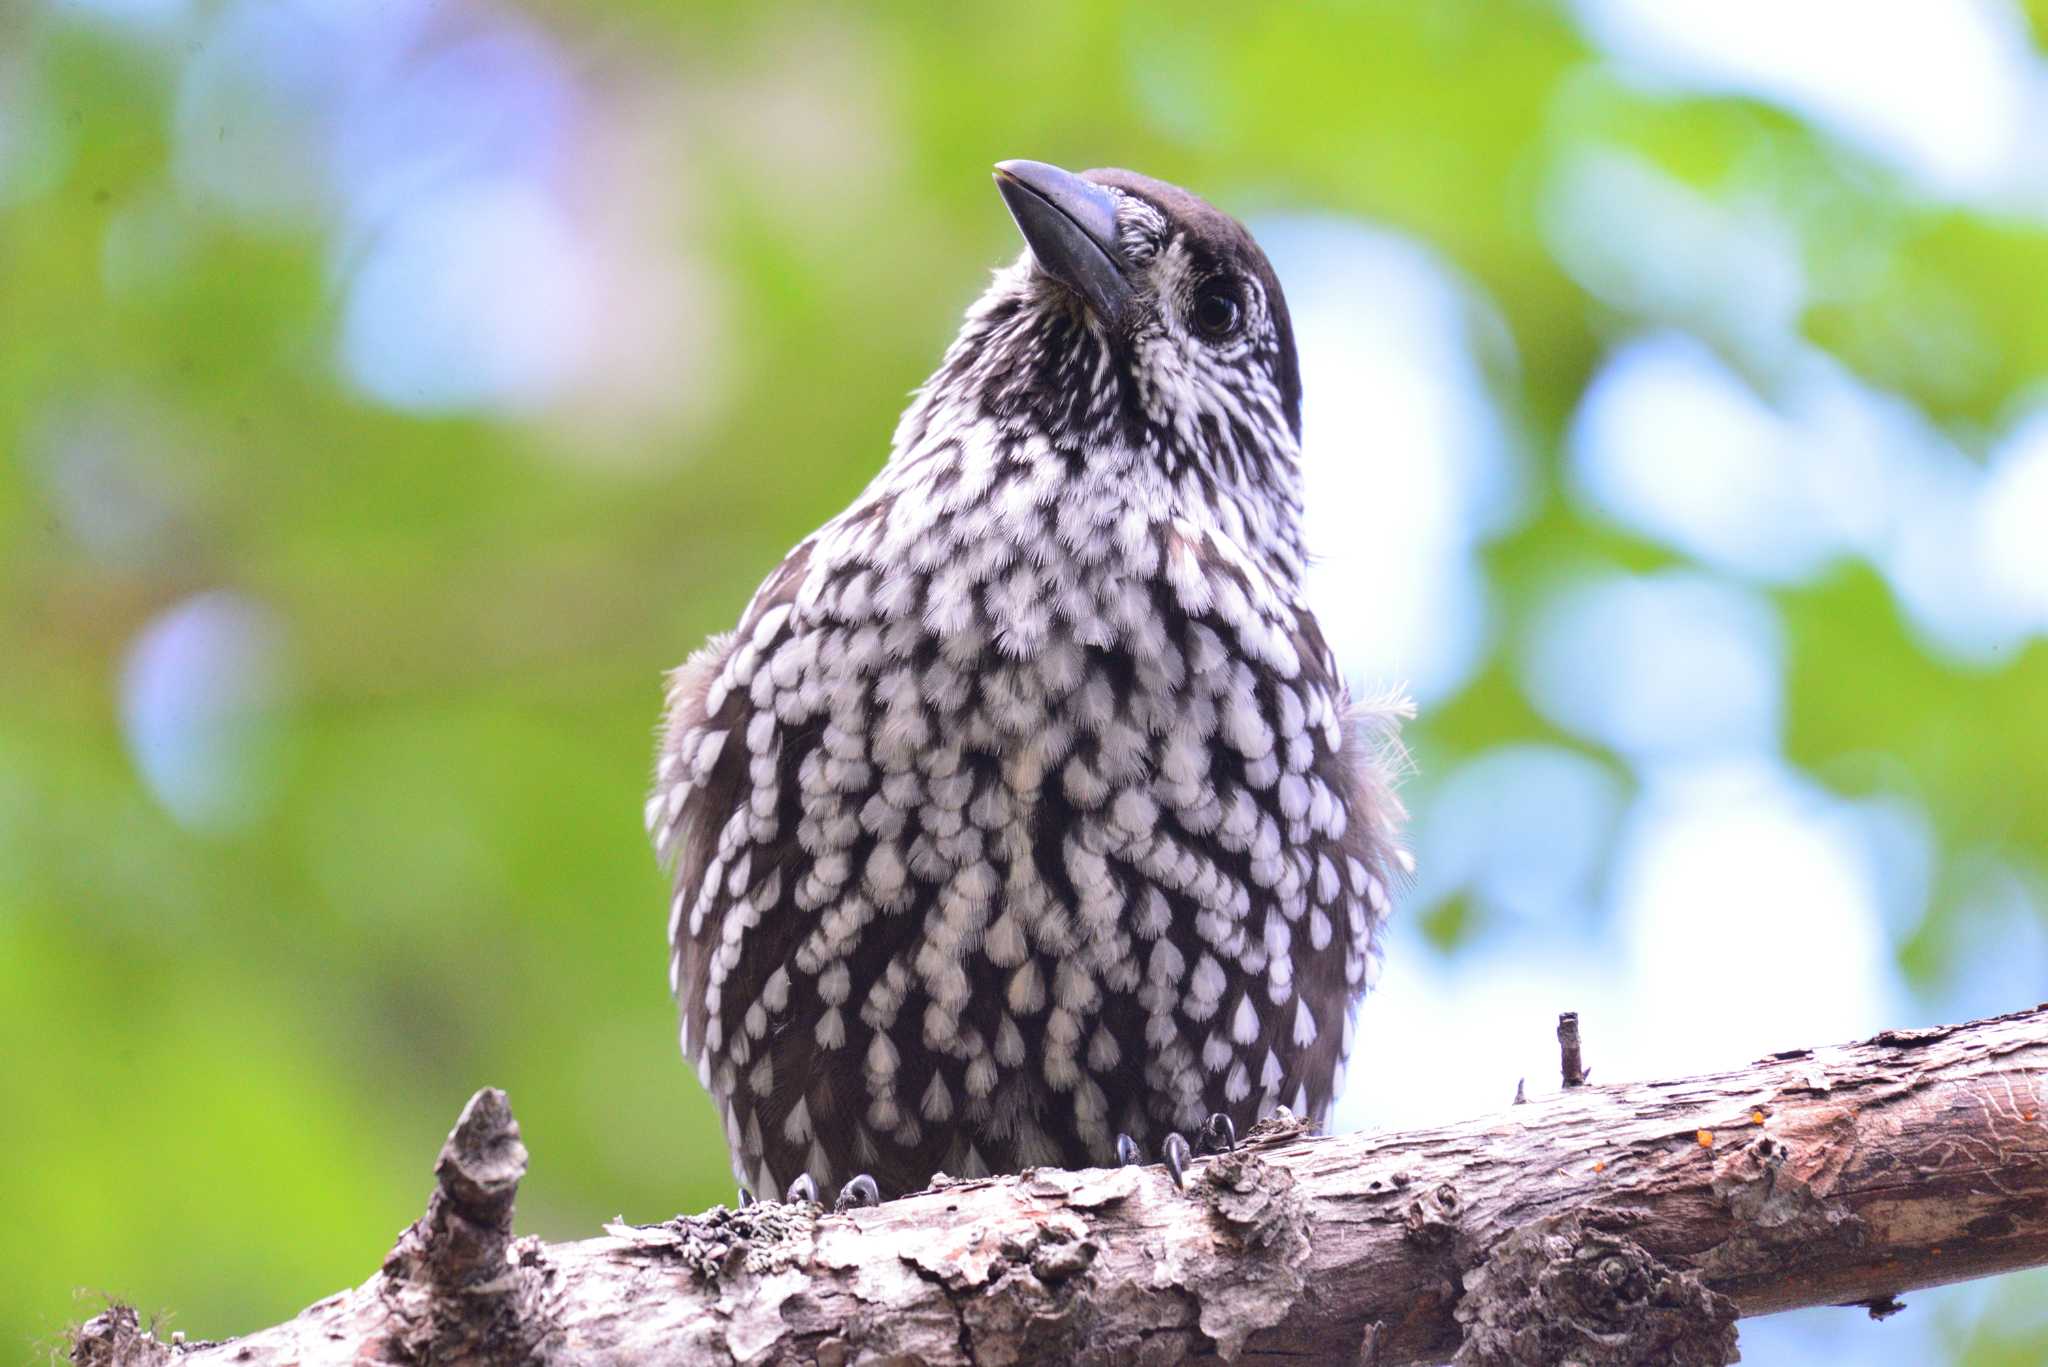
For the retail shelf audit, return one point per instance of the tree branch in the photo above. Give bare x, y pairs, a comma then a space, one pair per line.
1610, 1224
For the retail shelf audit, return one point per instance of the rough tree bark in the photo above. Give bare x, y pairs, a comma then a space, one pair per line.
1626, 1223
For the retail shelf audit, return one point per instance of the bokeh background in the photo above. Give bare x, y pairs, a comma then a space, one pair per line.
390, 391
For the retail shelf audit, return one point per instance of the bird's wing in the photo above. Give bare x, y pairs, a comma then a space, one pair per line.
1365, 863
1309, 770
699, 814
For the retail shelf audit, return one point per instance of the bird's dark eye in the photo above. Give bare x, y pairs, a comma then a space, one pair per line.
1217, 312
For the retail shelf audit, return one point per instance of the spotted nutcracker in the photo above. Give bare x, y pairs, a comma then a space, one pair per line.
1025, 818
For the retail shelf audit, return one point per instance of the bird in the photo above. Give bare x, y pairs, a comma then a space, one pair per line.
1025, 818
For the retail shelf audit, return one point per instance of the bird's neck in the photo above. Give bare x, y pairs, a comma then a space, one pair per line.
980, 489
1068, 450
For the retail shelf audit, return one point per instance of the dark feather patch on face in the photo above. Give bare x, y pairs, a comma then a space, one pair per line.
1217, 236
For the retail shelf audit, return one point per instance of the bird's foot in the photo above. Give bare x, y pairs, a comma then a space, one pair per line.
746, 1198
805, 1188
1175, 1152
858, 1194
1217, 1134
1128, 1154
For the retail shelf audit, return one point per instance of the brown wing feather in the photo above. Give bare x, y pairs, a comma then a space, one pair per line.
694, 799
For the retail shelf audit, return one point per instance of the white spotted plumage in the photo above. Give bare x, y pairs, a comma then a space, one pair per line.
1026, 805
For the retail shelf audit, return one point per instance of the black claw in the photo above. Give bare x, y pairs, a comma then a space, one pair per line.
803, 1189
1128, 1154
746, 1198
858, 1194
1217, 1135
1177, 1158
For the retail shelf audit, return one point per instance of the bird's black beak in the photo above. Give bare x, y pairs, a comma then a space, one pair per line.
1070, 226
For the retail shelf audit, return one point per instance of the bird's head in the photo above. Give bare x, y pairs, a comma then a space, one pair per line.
1137, 314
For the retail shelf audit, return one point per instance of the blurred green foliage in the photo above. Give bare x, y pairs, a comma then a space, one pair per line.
231, 1055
